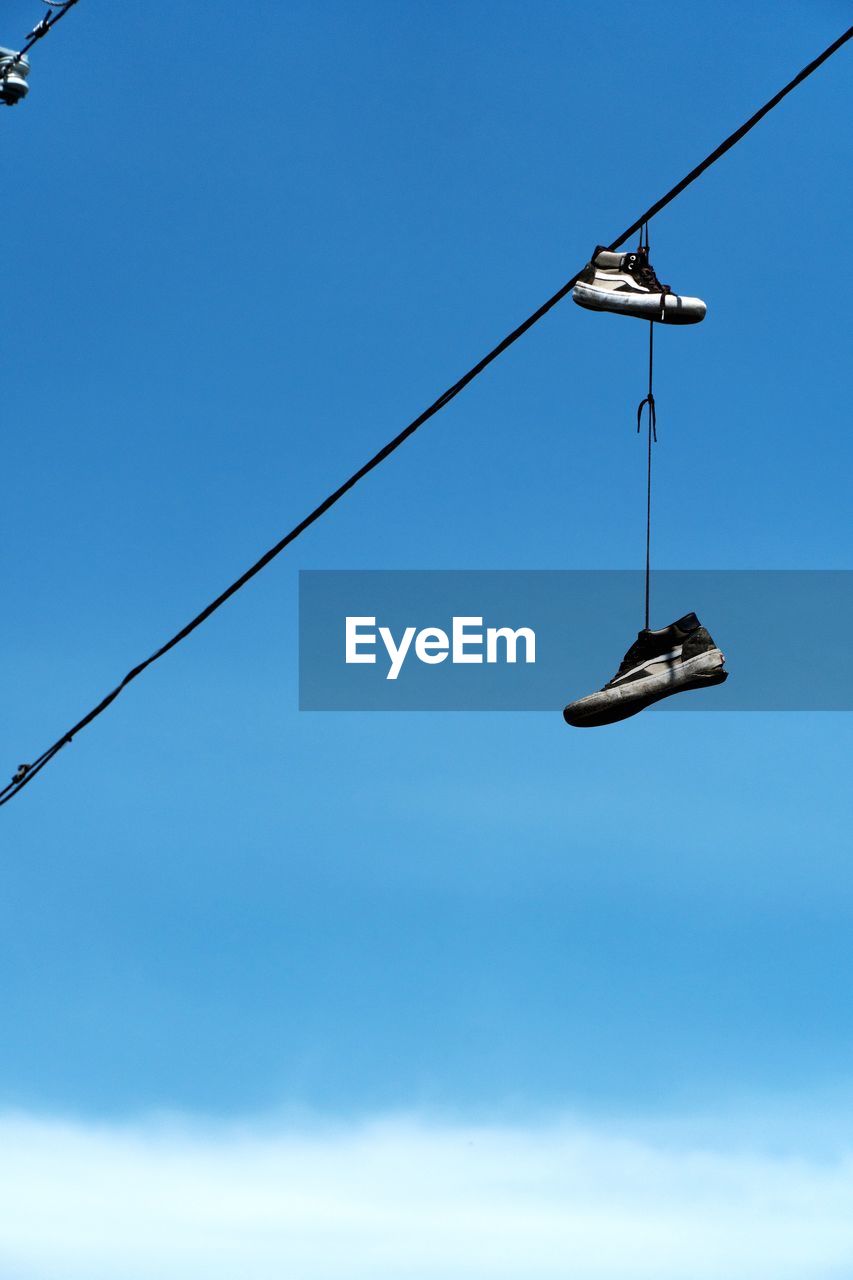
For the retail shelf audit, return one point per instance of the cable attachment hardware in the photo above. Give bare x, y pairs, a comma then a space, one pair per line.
40, 29
23, 770
14, 69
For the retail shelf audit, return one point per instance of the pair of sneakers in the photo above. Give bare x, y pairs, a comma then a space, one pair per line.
683, 655
626, 284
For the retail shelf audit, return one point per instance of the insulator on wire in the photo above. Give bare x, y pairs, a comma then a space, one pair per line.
13, 77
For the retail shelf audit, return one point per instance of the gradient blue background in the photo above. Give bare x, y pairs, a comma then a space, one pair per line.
242, 246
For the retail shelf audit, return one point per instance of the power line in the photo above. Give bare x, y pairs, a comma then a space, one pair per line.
26, 772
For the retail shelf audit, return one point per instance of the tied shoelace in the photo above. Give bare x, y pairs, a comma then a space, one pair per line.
644, 274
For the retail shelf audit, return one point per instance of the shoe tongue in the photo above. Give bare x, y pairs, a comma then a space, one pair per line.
606, 260
683, 625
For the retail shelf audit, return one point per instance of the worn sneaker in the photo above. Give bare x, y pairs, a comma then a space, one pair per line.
678, 657
626, 284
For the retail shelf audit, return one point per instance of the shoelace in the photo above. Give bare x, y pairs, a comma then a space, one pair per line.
644, 273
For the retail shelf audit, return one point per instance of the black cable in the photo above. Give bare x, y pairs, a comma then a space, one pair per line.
27, 772
652, 438
649, 523
649, 400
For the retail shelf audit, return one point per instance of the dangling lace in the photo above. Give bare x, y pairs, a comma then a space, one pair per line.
644, 273
649, 400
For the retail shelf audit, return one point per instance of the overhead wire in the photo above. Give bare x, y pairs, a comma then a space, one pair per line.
26, 772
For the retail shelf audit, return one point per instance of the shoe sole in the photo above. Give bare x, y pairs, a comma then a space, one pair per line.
677, 310
612, 705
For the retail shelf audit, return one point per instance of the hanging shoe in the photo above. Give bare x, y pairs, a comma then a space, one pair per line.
626, 284
676, 658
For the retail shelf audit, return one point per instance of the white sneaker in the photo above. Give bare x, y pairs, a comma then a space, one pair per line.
626, 284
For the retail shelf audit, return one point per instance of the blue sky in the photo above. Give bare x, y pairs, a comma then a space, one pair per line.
242, 249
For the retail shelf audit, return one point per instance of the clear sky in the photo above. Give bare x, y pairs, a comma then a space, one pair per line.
243, 246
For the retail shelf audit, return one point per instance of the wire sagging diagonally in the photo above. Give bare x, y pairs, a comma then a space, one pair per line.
26, 772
